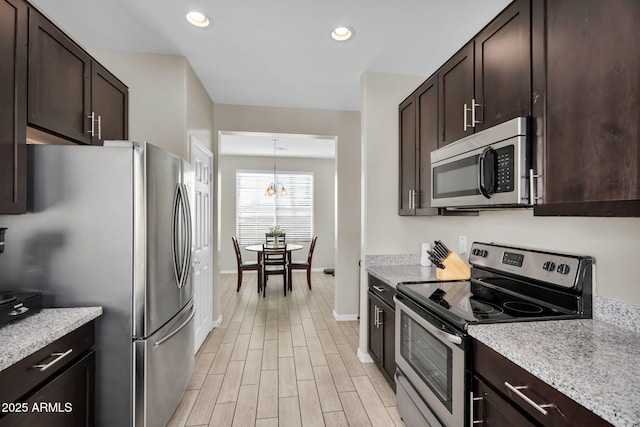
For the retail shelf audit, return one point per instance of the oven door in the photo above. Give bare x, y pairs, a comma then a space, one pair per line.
431, 355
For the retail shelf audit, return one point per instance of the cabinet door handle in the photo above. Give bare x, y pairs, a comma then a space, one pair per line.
474, 122
59, 357
92, 118
537, 407
464, 117
99, 127
472, 410
379, 288
376, 321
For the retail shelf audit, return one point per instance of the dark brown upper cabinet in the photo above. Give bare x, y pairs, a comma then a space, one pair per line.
488, 81
418, 138
109, 105
591, 155
70, 94
456, 94
59, 82
13, 108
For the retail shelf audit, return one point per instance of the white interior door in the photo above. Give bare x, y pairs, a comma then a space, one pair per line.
202, 161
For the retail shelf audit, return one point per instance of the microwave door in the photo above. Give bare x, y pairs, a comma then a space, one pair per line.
457, 182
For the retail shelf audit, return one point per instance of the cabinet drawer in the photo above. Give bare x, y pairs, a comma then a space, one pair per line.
66, 400
382, 290
560, 409
23, 376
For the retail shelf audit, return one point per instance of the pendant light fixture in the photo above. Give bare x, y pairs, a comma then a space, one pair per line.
271, 190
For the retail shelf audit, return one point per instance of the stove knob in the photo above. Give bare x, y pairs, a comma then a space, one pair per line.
563, 269
549, 266
484, 253
475, 252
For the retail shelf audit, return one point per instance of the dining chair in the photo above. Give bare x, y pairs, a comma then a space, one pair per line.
244, 266
274, 262
303, 265
270, 240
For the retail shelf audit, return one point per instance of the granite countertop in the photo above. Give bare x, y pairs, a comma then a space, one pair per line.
597, 364
394, 274
28, 335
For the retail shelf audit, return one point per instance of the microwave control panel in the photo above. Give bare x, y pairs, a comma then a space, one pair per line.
504, 169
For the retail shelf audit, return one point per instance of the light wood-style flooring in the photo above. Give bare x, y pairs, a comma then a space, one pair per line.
284, 361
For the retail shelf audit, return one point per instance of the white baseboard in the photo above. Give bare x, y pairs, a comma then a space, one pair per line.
364, 357
218, 322
344, 317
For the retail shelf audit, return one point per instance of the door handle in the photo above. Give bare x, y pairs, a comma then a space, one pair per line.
536, 406
175, 331
174, 236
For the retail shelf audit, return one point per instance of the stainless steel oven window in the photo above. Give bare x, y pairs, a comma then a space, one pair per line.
429, 357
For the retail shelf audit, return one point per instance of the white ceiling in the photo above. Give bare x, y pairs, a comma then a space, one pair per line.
287, 145
278, 52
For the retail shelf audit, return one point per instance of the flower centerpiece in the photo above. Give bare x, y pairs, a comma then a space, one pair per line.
276, 232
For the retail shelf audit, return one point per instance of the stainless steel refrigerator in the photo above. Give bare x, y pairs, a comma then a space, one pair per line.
111, 226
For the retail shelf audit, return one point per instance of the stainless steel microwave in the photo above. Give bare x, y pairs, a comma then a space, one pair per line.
489, 169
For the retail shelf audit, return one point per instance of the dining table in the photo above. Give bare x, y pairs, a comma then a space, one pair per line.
290, 247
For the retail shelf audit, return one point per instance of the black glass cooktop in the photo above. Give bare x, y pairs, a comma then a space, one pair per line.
476, 302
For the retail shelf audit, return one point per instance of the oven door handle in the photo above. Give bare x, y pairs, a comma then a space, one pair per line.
455, 339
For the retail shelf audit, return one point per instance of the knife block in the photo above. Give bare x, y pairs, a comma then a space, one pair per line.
455, 269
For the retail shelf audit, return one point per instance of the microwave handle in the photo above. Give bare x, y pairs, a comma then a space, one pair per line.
488, 155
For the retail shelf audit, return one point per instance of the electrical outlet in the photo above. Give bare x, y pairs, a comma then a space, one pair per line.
462, 244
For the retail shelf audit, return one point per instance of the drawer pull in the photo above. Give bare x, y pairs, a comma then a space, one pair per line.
516, 390
379, 288
59, 357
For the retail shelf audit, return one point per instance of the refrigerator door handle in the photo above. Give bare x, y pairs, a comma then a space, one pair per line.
175, 235
189, 234
175, 331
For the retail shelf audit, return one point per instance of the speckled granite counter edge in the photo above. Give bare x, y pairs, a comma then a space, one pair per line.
26, 336
398, 259
617, 313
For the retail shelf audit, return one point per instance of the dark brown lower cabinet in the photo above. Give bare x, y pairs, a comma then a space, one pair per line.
65, 401
505, 394
490, 409
382, 329
54, 386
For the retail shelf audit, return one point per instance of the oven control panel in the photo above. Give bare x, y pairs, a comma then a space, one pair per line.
559, 269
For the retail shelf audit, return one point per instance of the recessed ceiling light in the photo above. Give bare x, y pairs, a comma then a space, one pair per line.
342, 33
198, 19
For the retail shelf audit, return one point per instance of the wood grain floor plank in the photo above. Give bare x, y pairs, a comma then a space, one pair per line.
206, 400
310, 411
200, 370
335, 419
354, 410
221, 361
223, 415
231, 383
268, 395
289, 412
303, 364
376, 411
287, 384
252, 367
245, 414
270, 355
339, 372
181, 414
327, 392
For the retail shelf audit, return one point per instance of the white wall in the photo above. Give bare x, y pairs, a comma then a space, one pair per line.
345, 125
323, 204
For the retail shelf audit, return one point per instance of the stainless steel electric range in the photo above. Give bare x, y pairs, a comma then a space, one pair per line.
508, 284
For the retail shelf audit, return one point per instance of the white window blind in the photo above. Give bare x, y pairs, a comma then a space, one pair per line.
255, 212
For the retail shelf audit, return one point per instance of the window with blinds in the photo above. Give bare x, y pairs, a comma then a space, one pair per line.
255, 212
